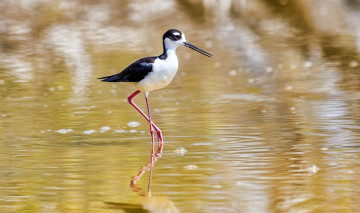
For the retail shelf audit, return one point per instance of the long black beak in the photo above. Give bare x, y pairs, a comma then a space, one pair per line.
186, 44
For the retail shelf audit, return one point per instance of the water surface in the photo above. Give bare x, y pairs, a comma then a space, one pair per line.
269, 124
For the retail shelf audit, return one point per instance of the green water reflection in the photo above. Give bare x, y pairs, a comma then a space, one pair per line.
270, 123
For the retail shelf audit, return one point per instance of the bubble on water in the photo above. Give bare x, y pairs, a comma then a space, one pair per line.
89, 132
132, 130
120, 131
191, 167
312, 169
63, 131
133, 124
180, 151
105, 128
324, 148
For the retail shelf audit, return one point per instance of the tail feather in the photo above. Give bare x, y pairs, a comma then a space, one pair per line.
112, 78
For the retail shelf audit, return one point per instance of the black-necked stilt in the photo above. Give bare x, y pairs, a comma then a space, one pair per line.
151, 73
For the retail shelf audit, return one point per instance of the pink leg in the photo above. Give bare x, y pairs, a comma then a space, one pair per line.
151, 128
158, 131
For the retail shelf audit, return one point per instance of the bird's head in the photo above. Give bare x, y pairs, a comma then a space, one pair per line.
175, 38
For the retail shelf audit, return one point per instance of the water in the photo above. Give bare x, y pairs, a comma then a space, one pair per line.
269, 124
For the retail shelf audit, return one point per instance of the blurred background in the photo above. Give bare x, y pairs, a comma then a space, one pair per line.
271, 123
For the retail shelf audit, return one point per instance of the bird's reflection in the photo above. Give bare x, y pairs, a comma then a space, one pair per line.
147, 167
146, 202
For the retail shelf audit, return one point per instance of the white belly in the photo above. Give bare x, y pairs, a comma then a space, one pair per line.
163, 72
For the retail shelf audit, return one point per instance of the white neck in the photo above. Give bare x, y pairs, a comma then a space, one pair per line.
170, 46
171, 51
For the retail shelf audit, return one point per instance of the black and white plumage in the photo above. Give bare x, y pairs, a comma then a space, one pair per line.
155, 72
152, 73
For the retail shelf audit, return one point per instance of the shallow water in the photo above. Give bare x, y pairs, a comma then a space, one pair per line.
269, 124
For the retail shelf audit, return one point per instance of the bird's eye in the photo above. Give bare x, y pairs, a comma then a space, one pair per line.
177, 37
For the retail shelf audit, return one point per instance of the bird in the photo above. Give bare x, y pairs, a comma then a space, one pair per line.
153, 73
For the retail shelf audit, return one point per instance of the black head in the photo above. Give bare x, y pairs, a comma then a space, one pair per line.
173, 34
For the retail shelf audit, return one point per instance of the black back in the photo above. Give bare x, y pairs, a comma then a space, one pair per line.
135, 72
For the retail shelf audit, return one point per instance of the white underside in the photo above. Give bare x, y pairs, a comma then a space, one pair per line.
163, 72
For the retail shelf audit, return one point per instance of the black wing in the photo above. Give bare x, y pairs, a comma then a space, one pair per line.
135, 72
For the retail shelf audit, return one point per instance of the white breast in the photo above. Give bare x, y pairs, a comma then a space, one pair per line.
162, 74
